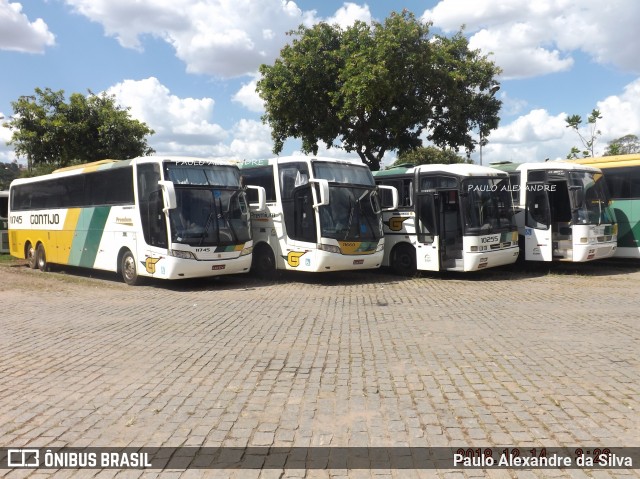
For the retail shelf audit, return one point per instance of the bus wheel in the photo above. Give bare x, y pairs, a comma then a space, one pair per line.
403, 260
41, 258
128, 269
263, 263
31, 256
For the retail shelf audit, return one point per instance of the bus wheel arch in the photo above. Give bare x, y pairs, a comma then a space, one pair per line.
127, 267
403, 259
30, 255
41, 258
263, 261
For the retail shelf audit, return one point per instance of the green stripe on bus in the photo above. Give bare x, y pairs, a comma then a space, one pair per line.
94, 235
89, 230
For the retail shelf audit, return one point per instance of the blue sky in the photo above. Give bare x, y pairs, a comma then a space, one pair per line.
188, 67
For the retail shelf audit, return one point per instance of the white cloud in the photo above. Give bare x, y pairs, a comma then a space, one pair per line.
538, 135
535, 38
221, 38
252, 140
349, 13
217, 37
185, 125
248, 97
621, 114
17, 33
180, 123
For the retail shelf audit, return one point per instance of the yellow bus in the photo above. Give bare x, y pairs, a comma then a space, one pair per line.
160, 217
4, 224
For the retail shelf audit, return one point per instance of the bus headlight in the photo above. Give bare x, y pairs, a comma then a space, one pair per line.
614, 229
329, 248
380, 246
246, 251
182, 254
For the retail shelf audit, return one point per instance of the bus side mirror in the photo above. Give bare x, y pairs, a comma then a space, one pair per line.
324, 192
169, 195
261, 205
394, 197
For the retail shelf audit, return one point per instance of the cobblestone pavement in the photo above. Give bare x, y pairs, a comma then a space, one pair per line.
501, 358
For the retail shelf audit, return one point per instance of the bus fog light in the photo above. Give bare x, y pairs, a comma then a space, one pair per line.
246, 251
329, 248
182, 254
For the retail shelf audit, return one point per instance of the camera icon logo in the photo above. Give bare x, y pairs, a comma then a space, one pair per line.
23, 458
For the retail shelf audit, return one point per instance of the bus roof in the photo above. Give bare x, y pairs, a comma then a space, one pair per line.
288, 159
108, 164
457, 169
546, 165
614, 161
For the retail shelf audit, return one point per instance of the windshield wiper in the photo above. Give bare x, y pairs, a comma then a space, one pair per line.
234, 236
207, 224
351, 211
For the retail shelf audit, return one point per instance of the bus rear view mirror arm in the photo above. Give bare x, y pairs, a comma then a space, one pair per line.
261, 205
324, 192
394, 197
169, 195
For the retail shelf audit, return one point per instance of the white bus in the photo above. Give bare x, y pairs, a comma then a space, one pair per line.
455, 217
4, 224
160, 217
322, 214
562, 211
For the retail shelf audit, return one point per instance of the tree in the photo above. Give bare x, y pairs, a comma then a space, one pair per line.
51, 133
589, 140
8, 173
376, 88
624, 145
429, 155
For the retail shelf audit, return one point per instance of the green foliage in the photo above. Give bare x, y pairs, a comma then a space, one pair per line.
53, 133
429, 155
8, 173
625, 145
376, 88
589, 140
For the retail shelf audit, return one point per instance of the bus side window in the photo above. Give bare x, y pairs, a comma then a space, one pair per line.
154, 226
538, 210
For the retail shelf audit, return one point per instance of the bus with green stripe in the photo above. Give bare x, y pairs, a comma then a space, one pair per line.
158, 217
622, 176
322, 214
455, 217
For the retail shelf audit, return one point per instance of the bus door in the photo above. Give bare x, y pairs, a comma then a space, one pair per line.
450, 227
428, 244
538, 232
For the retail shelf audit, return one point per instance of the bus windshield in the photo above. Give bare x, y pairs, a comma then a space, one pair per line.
210, 217
589, 203
194, 173
353, 214
487, 206
343, 173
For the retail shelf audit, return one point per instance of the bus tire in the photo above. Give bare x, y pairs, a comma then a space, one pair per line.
263, 262
41, 258
403, 260
30, 256
128, 269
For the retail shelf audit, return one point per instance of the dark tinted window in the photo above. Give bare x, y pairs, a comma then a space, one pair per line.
259, 177
623, 183
109, 187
